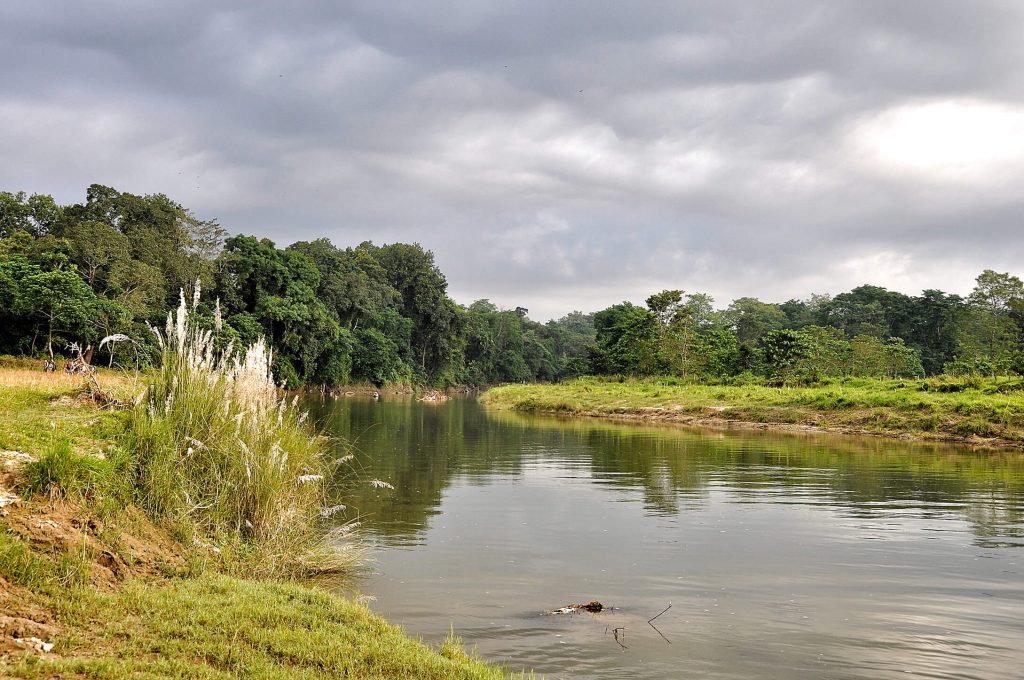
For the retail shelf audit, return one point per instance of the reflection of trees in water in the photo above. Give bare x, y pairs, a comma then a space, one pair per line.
861, 476
415, 447
996, 523
668, 470
419, 449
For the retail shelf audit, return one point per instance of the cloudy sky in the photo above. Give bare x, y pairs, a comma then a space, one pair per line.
555, 155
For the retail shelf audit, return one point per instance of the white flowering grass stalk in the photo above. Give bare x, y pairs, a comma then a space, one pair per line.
221, 451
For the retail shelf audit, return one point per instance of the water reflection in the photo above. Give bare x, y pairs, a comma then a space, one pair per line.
420, 449
789, 557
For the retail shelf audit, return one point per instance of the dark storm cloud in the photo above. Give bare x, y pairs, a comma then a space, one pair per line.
555, 155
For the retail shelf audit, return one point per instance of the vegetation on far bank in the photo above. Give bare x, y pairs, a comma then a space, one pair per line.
168, 538
381, 314
979, 410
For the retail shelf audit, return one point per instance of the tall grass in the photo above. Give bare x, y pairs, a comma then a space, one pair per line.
226, 457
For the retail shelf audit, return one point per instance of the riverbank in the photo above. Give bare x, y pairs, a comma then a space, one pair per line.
93, 586
983, 412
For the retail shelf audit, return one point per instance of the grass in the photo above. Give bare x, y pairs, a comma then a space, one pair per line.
222, 455
37, 571
217, 626
38, 409
60, 472
937, 408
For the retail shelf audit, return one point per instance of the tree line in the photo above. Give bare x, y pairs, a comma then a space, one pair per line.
115, 263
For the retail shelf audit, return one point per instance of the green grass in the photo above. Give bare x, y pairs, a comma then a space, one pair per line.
37, 571
39, 409
217, 626
59, 472
939, 408
221, 454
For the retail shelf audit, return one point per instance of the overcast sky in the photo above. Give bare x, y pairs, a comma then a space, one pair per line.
555, 155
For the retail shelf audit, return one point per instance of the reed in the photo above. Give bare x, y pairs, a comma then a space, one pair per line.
229, 459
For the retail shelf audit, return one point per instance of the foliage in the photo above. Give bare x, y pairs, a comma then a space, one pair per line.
60, 472
381, 313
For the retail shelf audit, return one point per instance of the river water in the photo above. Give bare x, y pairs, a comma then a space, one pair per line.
781, 556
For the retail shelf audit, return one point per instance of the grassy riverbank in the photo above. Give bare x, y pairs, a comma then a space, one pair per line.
102, 578
978, 411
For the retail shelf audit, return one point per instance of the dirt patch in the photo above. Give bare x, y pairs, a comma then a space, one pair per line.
25, 625
133, 548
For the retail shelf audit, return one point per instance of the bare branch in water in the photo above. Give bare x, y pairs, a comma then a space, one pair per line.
650, 622
620, 636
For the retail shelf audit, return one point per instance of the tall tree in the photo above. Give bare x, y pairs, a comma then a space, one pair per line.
36, 214
435, 318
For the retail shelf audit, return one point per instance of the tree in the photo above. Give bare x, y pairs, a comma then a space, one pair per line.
936, 318
627, 340
680, 325
36, 214
869, 310
572, 338
782, 351
991, 331
495, 346
277, 288
435, 318
375, 358
828, 353
138, 286
352, 283
96, 247
161, 233
751, 318
61, 301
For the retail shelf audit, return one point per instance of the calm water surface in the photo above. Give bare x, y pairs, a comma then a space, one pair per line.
781, 556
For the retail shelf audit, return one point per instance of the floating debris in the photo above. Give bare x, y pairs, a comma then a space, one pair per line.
593, 607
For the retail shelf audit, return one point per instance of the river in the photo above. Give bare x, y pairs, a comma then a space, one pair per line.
770, 555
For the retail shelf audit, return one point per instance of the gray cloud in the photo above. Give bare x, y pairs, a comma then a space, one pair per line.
554, 155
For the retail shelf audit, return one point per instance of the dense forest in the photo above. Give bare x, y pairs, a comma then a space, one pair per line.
381, 313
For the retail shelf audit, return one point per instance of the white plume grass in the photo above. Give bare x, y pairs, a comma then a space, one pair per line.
221, 450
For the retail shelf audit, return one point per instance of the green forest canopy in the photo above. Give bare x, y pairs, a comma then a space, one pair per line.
381, 314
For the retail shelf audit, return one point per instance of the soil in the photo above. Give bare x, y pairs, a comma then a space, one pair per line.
22, 618
131, 548
115, 553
